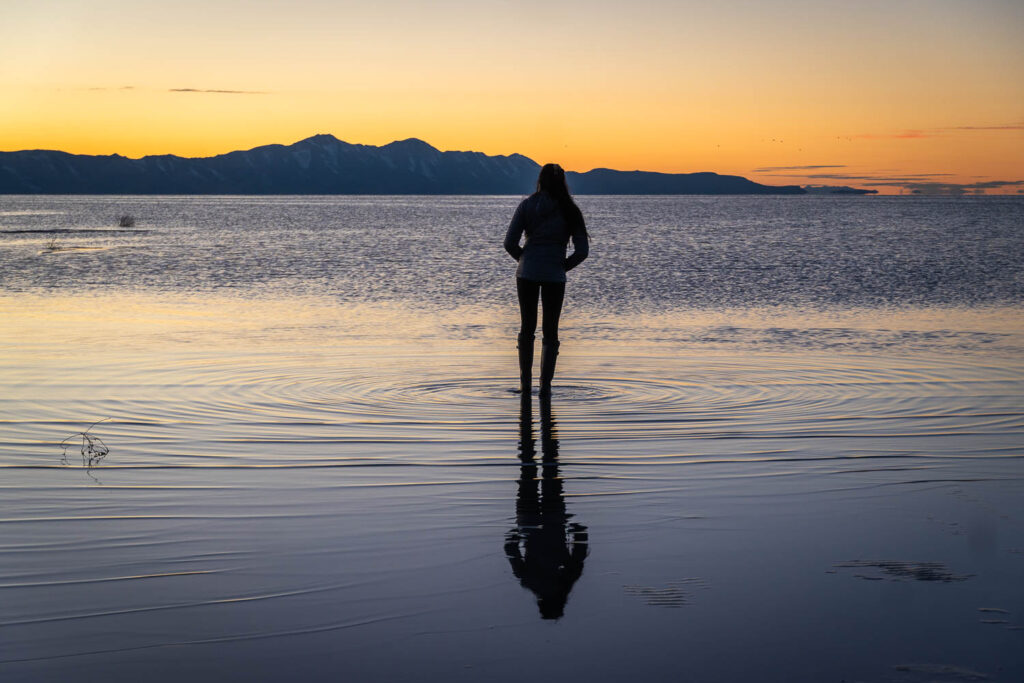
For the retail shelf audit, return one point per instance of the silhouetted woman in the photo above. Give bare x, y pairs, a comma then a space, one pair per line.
549, 218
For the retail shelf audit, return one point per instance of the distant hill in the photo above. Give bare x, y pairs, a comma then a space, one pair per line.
324, 164
836, 189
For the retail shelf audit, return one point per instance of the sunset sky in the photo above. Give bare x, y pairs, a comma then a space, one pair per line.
892, 95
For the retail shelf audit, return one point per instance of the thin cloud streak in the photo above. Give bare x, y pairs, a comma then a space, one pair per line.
851, 176
215, 91
986, 185
218, 92
768, 169
1012, 126
917, 134
904, 135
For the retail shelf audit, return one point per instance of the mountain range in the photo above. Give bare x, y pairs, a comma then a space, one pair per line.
323, 164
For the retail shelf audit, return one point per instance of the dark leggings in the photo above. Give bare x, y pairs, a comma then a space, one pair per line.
551, 295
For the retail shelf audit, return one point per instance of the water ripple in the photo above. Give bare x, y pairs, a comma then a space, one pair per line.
291, 410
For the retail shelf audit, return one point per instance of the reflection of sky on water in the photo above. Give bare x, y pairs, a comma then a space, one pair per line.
229, 380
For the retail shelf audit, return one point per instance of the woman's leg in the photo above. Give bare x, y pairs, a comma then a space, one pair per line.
528, 292
552, 294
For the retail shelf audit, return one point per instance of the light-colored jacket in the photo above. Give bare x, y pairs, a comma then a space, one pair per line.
548, 230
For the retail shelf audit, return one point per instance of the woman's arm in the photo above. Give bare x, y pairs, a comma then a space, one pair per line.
515, 231
580, 245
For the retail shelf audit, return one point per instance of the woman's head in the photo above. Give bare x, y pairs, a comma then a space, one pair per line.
552, 181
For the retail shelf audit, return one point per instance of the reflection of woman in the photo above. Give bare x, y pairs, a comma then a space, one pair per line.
549, 218
545, 549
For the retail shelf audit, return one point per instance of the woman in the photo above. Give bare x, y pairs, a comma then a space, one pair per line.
549, 218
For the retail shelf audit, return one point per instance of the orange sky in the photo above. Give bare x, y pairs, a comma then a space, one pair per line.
905, 92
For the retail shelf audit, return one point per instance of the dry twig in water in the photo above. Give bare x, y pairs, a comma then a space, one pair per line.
93, 449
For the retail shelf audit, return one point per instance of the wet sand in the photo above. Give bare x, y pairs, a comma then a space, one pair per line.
295, 491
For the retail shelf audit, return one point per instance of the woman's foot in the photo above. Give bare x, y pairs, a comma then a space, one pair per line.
525, 345
548, 354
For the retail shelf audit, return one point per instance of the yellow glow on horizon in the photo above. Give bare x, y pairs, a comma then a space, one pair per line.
660, 86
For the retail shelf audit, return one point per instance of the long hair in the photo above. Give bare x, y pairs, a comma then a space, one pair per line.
551, 182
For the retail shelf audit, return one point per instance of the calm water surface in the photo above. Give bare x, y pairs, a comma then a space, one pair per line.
785, 436
651, 254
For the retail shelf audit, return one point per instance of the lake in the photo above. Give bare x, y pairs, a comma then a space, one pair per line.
786, 442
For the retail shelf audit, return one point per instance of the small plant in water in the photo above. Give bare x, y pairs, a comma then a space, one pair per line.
92, 447
52, 244
126, 221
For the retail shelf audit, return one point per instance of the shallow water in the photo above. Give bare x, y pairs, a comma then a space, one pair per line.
317, 468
